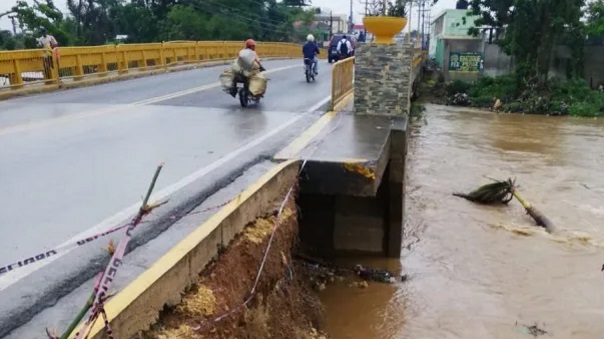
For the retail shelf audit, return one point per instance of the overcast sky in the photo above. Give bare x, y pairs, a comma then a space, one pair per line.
338, 6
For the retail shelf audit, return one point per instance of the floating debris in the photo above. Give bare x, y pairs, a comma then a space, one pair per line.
498, 192
374, 275
359, 284
502, 192
533, 330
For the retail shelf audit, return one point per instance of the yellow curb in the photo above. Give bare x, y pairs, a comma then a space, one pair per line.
137, 306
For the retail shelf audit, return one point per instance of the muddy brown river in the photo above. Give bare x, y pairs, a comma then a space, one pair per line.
481, 272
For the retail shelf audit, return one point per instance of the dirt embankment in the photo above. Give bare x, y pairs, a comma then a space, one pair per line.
284, 305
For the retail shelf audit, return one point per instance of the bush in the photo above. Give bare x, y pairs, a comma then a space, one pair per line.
558, 96
458, 86
513, 106
593, 106
417, 109
572, 97
482, 102
580, 99
503, 88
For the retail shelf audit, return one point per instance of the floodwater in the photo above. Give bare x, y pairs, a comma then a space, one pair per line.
487, 272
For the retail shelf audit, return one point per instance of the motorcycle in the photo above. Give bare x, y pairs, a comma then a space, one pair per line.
308, 71
243, 90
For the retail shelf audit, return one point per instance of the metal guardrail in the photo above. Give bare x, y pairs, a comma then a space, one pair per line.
49, 67
342, 80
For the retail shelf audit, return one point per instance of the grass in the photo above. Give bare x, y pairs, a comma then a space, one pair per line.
568, 97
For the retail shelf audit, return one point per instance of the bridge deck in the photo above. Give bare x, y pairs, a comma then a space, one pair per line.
349, 156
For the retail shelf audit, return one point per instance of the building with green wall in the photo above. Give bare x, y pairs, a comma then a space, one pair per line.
449, 37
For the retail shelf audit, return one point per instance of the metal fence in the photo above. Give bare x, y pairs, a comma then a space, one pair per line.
41, 67
342, 80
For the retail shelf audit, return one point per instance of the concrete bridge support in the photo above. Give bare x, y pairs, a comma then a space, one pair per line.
356, 206
352, 194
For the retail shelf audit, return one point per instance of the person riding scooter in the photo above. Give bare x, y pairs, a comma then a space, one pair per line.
310, 51
344, 48
247, 62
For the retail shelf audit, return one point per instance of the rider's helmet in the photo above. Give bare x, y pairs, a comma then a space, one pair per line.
251, 44
310, 38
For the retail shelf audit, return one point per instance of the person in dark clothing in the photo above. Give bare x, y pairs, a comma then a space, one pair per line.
345, 47
310, 51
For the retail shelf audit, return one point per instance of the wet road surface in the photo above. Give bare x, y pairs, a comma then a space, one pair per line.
487, 272
72, 159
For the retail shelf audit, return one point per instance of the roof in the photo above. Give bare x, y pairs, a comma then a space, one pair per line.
458, 37
445, 11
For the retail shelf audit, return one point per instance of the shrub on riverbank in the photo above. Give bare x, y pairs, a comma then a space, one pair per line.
572, 97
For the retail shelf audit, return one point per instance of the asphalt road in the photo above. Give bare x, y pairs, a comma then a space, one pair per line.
77, 161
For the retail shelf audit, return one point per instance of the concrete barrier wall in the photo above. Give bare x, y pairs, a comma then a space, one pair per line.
137, 306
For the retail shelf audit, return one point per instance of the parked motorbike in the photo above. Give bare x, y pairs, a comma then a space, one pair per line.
308, 71
243, 90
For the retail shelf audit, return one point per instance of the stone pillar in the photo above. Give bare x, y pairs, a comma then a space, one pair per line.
383, 79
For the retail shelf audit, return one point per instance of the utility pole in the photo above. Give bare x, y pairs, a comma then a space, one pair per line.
425, 25
409, 24
330, 25
428, 28
419, 20
350, 22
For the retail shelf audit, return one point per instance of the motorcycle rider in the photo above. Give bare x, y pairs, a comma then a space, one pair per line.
250, 47
344, 47
310, 51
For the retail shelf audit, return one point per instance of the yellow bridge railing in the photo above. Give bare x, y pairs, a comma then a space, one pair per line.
45, 67
342, 80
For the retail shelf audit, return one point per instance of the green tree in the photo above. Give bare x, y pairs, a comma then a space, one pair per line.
7, 41
137, 21
595, 19
462, 4
532, 29
296, 3
95, 22
41, 14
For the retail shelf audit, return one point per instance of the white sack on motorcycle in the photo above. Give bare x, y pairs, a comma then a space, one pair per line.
226, 79
257, 84
246, 59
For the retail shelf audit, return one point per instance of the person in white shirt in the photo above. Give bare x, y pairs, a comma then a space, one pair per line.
344, 47
48, 43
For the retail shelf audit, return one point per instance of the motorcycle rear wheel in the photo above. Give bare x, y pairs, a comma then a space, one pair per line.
243, 97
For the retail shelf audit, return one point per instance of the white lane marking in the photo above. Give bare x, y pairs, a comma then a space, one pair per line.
118, 108
12, 277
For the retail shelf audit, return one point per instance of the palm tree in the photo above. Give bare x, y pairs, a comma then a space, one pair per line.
502, 192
